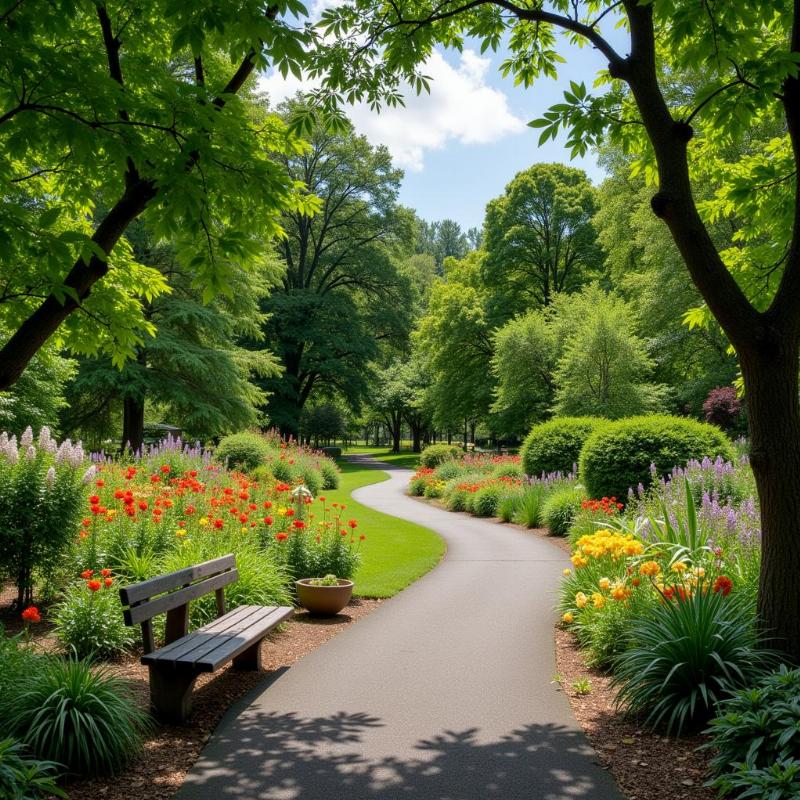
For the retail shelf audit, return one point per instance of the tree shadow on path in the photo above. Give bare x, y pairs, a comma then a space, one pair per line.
286, 757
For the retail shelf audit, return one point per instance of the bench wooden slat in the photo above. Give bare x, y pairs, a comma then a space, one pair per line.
137, 592
228, 650
178, 650
206, 651
151, 608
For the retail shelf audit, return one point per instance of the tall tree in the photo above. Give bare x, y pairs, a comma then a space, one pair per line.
443, 239
539, 238
750, 53
192, 368
344, 291
110, 112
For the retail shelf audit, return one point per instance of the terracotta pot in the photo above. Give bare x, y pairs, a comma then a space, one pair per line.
324, 601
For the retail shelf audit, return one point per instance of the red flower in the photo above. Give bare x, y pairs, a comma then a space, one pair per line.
31, 614
100, 483
189, 510
94, 586
342, 532
268, 520
289, 512
243, 518
165, 468
218, 523
281, 537
93, 500
252, 506
105, 572
157, 512
361, 538
87, 573
119, 494
143, 505
108, 582
722, 584
268, 504
352, 523
86, 522
321, 499
299, 524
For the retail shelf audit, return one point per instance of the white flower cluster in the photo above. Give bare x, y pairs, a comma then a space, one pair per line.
66, 453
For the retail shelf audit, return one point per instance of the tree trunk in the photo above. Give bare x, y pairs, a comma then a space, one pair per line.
132, 422
771, 392
417, 437
449, 437
396, 432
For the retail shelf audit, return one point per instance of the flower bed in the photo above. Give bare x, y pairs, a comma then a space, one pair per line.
73, 531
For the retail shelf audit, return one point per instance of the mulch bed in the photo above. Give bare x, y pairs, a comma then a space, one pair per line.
171, 750
646, 766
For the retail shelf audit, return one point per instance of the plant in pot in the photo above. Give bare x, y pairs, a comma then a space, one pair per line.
324, 596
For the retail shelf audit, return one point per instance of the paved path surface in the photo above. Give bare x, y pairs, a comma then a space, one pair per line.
443, 693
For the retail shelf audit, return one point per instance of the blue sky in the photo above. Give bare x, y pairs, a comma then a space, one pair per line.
461, 145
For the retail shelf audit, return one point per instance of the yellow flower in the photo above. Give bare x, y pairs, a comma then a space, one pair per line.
579, 561
604, 583
598, 600
204, 521
567, 571
650, 569
581, 600
244, 529
568, 618
679, 566
699, 572
180, 532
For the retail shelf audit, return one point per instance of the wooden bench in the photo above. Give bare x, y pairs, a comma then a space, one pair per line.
235, 636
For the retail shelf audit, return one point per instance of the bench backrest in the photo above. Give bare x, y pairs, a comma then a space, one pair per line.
171, 594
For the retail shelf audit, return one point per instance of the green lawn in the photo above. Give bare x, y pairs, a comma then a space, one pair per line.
395, 553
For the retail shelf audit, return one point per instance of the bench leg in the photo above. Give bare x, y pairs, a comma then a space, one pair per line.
171, 693
250, 658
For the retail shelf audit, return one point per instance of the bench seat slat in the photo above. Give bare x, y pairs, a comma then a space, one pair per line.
206, 650
180, 649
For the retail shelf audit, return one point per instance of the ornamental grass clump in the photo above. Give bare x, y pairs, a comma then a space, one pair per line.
40, 497
689, 653
560, 508
79, 716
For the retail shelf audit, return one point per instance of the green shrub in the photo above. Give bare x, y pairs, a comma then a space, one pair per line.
508, 471
330, 474
688, 655
454, 498
281, 469
560, 508
757, 728
41, 498
779, 781
529, 506
25, 778
312, 478
79, 716
416, 486
262, 581
91, 622
619, 454
487, 499
244, 451
311, 554
555, 446
433, 489
436, 454
449, 470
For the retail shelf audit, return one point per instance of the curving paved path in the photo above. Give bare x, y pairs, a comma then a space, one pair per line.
443, 693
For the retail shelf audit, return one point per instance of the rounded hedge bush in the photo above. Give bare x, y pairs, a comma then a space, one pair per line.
555, 446
330, 474
437, 454
242, 450
619, 454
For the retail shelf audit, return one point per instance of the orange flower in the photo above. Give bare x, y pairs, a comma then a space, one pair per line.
94, 586
31, 614
105, 572
87, 573
650, 569
107, 582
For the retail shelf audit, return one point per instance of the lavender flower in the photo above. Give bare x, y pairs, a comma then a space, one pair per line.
27, 438
50, 477
89, 474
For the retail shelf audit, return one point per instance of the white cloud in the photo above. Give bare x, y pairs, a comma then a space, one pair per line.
461, 107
